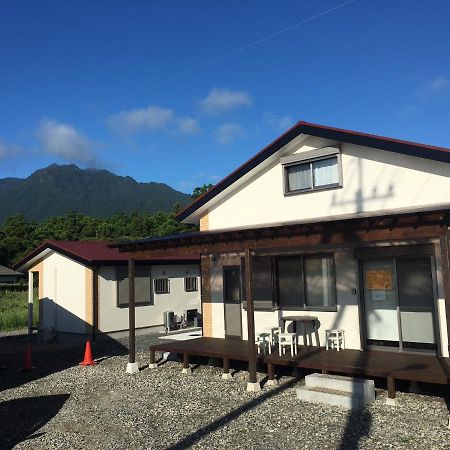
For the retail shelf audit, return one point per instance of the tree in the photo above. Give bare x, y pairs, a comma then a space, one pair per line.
200, 190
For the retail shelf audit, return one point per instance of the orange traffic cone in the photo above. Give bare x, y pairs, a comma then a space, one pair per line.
27, 358
88, 360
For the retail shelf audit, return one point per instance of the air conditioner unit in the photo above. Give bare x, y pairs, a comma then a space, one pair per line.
190, 315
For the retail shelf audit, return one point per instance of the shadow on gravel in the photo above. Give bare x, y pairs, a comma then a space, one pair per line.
21, 418
213, 426
47, 358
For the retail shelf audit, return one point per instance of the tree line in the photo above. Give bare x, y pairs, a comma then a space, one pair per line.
19, 236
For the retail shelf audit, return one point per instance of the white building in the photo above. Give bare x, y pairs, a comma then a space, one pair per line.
342, 226
83, 288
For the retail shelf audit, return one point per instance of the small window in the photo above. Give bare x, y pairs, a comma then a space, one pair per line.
161, 285
312, 175
190, 284
142, 291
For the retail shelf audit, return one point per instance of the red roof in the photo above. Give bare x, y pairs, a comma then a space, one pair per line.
97, 252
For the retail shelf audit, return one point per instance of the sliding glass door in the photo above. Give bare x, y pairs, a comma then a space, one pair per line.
399, 303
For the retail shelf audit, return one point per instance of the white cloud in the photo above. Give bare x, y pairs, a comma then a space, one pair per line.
188, 125
150, 119
219, 101
279, 122
439, 84
64, 141
228, 132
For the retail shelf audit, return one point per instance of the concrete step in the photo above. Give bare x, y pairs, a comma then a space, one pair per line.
332, 397
364, 389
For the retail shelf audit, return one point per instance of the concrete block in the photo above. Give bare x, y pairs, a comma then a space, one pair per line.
391, 402
227, 376
253, 387
330, 397
273, 382
132, 368
153, 366
186, 371
364, 389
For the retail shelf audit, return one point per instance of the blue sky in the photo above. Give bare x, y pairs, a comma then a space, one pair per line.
144, 88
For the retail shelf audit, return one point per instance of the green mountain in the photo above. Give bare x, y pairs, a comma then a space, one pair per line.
58, 189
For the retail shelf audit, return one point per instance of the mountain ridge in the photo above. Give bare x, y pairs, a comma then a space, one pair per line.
58, 189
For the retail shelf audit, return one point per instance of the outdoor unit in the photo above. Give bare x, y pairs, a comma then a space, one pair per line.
169, 321
190, 315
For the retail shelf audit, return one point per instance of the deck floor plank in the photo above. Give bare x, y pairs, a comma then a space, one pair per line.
402, 366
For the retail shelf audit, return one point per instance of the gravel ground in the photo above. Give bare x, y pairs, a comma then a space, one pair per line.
61, 405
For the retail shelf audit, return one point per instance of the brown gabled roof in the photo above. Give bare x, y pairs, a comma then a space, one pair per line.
92, 253
441, 154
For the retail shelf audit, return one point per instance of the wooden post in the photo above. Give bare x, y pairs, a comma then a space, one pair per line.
252, 384
30, 304
270, 371
226, 365
186, 366
391, 400
445, 254
391, 387
132, 365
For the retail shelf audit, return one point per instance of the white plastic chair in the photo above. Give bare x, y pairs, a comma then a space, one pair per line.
287, 340
335, 339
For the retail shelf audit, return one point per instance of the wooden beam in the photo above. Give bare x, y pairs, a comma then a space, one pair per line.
250, 317
131, 313
315, 238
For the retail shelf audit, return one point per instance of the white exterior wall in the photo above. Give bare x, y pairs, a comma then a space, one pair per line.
113, 318
346, 317
64, 303
373, 181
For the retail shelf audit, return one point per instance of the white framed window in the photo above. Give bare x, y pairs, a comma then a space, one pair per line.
312, 171
161, 285
190, 284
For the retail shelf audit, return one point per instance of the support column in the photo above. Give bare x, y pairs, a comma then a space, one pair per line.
272, 381
152, 364
391, 400
226, 375
30, 304
445, 254
132, 366
252, 385
186, 367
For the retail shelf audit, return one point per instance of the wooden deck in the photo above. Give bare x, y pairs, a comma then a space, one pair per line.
390, 365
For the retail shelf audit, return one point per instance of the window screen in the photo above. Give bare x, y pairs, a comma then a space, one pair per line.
161, 285
142, 286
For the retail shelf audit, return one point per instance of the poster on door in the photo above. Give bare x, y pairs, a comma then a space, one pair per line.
379, 280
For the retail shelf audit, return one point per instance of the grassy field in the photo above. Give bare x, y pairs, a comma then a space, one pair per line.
14, 310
